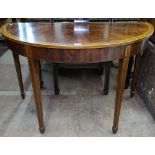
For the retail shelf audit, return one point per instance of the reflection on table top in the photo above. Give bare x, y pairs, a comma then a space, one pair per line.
76, 35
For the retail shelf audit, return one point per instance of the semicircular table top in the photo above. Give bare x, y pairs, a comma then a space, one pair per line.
66, 37
77, 35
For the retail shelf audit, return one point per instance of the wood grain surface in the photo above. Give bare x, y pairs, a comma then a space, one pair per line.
72, 35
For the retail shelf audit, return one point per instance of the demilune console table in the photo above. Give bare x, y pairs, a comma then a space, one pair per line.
78, 42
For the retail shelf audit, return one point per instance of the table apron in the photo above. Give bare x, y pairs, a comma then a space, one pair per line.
74, 55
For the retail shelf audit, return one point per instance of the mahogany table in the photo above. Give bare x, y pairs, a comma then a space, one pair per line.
78, 43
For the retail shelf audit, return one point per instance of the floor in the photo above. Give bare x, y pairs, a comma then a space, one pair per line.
80, 110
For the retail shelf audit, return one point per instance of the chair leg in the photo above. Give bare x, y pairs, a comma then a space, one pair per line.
107, 67
40, 74
55, 79
128, 77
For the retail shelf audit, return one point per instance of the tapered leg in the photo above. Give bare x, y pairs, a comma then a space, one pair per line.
123, 66
34, 72
128, 77
107, 67
135, 74
19, 74
55, 79
40, 74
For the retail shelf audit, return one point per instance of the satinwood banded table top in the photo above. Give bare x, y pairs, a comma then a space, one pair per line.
75, 35
77, 42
